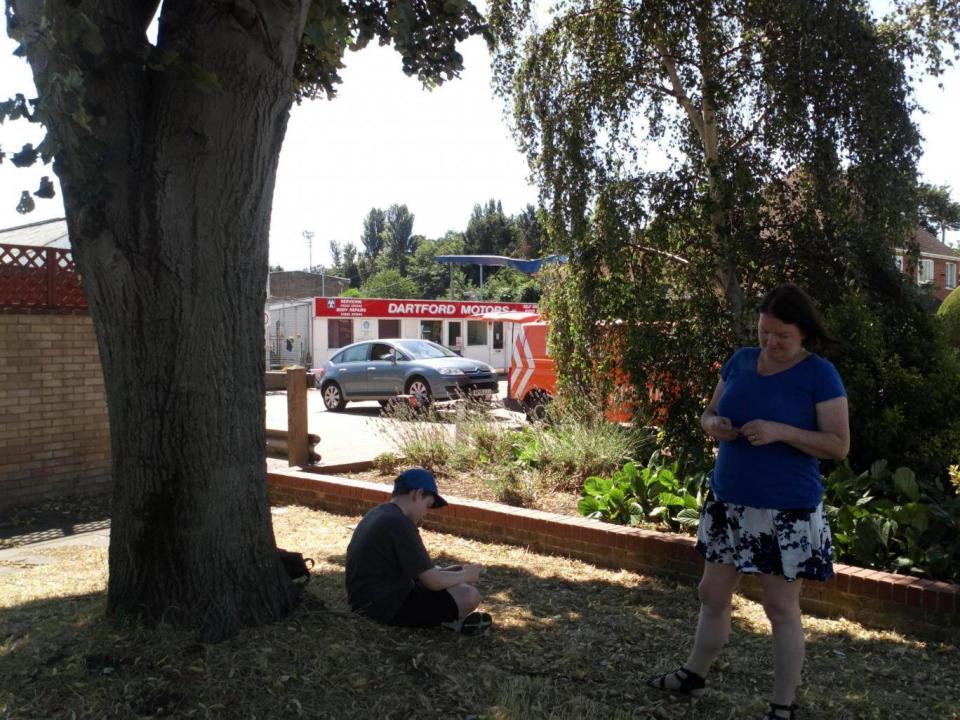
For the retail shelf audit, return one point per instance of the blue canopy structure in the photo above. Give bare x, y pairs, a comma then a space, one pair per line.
525, 266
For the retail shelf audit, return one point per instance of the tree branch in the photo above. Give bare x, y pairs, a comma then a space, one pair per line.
693, 113
662, 253
754, 128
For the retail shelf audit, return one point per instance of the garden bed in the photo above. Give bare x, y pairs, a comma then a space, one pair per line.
477, 485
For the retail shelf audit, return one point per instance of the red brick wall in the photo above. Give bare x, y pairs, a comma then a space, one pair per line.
54, 433
939, 288
874, 598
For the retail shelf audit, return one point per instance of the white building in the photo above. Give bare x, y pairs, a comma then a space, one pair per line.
339, 321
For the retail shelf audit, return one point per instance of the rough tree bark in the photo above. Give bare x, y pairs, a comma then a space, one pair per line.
167, 158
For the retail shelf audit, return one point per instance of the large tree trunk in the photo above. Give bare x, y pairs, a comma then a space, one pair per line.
171, 236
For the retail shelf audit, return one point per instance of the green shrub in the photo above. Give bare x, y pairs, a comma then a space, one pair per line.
894, 521
420, 436
386, 463
512, 486
658, 493
899, 387
575, 448
949, 314
480, 439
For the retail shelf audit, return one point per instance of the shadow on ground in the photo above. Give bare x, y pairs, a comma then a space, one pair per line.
570, 641
28, 524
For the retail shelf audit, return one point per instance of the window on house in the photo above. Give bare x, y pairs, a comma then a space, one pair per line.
476, 332
453, 333
431, 330
924, 271
951, 275
339, 333
898, 261
498, 336
388, 328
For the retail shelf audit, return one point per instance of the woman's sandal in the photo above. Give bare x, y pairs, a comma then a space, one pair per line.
773, 708
691, 684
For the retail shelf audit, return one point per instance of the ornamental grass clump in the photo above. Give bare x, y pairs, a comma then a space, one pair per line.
574, 448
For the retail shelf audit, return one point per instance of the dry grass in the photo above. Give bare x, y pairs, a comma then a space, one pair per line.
571, 641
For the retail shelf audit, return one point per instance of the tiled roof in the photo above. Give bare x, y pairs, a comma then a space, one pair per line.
929, 244
45, 233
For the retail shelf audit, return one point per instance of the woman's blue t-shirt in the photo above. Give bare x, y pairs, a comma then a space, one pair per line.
776, 475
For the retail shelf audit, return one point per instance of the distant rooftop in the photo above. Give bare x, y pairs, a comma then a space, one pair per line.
45, 233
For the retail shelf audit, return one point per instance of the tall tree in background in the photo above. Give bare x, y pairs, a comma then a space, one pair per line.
167, 156
374, 225
432, 278
389, 283
336, 254
350, 268
790, 155
398, 240
489, 232
529, 234
938, 210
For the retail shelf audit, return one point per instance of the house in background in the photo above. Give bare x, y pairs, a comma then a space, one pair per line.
936, 266
297, 284
45, 233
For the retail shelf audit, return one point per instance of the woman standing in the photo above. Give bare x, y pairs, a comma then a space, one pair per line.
776, 410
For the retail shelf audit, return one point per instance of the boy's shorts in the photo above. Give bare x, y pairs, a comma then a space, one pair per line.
426, 608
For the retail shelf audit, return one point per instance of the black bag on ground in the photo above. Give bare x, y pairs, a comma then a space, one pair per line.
297, 566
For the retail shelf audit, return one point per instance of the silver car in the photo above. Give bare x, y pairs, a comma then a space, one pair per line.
383, 369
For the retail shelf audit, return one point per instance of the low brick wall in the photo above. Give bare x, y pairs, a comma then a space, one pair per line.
877, 599
54, 431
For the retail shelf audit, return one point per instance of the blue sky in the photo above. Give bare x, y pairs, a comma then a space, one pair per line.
386, 140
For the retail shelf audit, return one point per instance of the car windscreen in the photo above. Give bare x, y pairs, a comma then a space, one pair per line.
423, 350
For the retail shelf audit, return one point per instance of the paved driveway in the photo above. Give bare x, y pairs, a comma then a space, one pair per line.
356, 433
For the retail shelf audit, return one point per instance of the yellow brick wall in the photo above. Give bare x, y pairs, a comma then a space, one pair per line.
54, 432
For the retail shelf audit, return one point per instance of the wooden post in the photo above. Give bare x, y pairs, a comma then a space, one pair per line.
297, 451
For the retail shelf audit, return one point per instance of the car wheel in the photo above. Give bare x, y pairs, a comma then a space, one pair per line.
333, 397
535, 405
420, 389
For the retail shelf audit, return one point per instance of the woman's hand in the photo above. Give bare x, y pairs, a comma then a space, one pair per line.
720, 428
761, 432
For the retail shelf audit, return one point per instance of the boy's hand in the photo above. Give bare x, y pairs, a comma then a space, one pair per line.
471, 573
452, 568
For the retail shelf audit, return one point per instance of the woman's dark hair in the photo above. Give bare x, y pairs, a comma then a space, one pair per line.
789, 304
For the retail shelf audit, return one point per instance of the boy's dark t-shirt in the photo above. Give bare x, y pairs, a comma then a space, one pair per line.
384, 557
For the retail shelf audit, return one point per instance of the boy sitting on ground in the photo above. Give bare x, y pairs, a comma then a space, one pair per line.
390, 577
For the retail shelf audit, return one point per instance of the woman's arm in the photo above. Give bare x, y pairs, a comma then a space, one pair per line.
830, 441
717, 427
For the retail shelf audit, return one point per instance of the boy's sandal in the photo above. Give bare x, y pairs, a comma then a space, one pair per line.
691, 684
773, 710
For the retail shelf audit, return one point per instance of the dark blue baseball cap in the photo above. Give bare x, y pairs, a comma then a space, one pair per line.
419, 479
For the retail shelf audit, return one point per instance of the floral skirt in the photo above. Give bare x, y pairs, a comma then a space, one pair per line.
791, 543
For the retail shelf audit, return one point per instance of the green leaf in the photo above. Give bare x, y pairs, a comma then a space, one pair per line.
906, 483
877, 469
688, 517
587, 505
26, 157
670, 500
26, 203
46, 189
